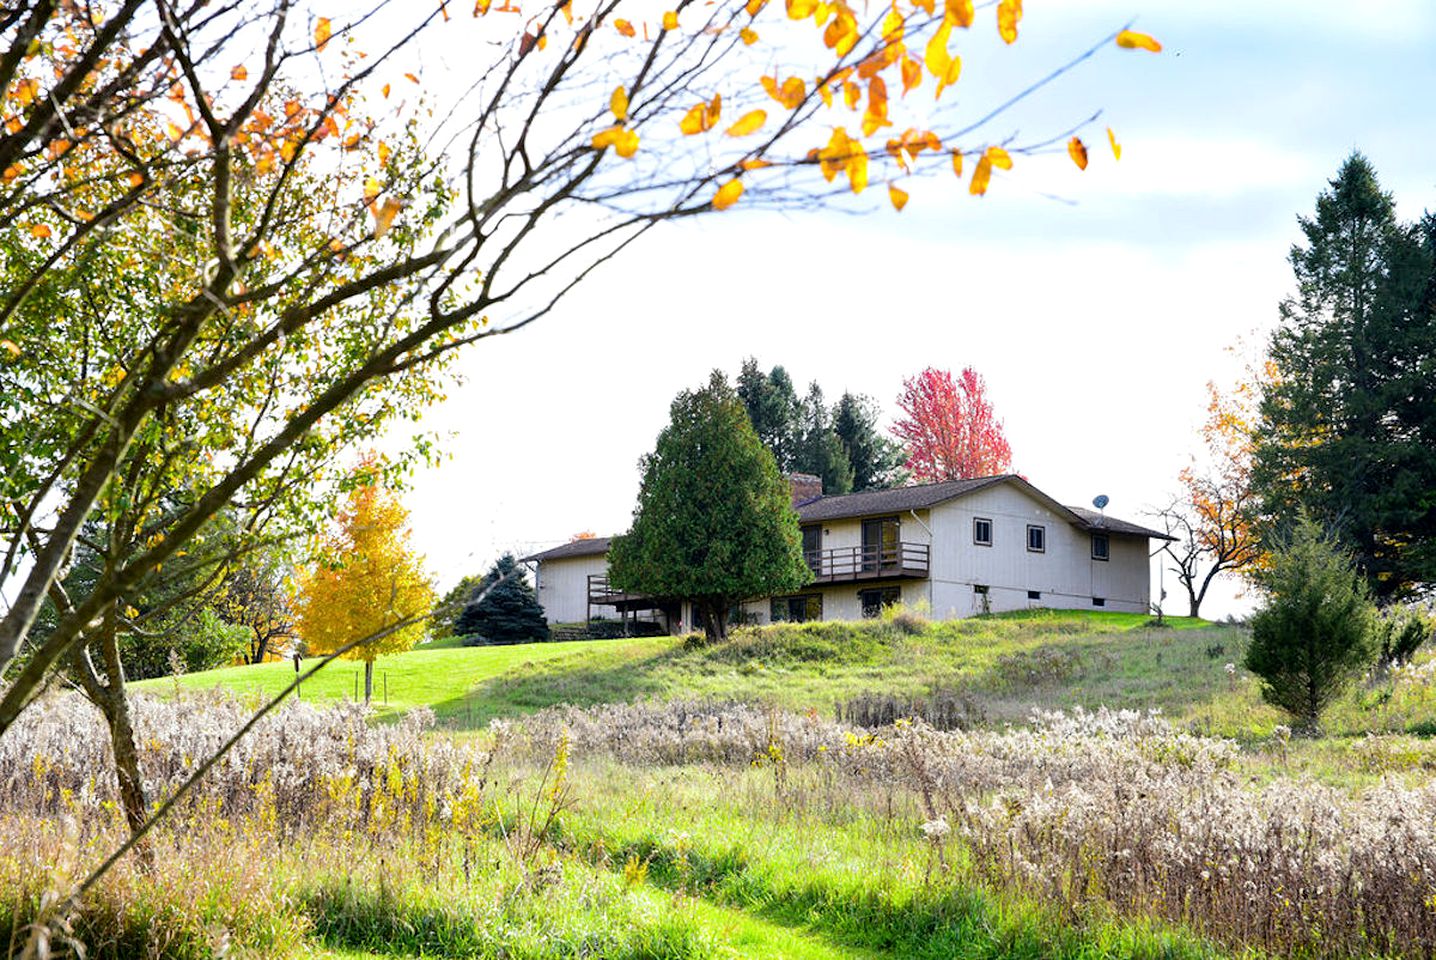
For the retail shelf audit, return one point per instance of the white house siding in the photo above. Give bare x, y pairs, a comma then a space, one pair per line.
841, 601
562, 587
1065, 574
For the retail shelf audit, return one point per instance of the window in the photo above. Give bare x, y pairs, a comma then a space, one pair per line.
813, 548
1036, 538
1101, 547
881, 546
799, 609
1034, 594
873, 601
982, 531
1099, 601
980, 588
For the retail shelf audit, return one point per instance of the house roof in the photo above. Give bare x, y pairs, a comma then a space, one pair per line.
1093, 520
895, 500
587, 547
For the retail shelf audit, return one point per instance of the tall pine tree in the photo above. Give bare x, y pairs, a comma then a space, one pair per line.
875, 458
503, 608
773, 409
1348, 425
820, 452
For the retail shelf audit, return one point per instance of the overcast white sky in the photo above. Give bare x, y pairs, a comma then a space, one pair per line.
1096, 318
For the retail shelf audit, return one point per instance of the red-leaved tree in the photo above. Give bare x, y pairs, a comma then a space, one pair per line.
948, 428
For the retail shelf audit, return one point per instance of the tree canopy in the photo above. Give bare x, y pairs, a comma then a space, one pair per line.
503, 608
948, 427
1347, 429
714, 522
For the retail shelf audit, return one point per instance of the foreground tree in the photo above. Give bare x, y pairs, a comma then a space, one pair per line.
949, 429
505, 609
312, 231
366, 579
1312, 635
1214, 520
714, 522
1348, 426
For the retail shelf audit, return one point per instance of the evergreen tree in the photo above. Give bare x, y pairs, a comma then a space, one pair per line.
821, 451
773, 409
1312, 636
504, 608
444, 622
714, 522
876, 460
1348, 424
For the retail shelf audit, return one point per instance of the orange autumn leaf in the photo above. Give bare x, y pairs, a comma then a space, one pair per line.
852, 93
750, 122
136, 179
802, 9
322, 31
911, 74
1008, 13
791, 94
411, 78
1131, 40
1116, 147
40, 231
386, 91
10, 347
999, 158
727, 194
898, 197
748, 36
384, 216
239, 73
876, 115
981, 174
384, 153
755, 6
957, 162
623, 140
618, 103
624, 27
958, 13
702, 117
670, 20
756, 163
1077, 150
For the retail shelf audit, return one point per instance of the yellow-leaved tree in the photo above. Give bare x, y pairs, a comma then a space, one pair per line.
368, 578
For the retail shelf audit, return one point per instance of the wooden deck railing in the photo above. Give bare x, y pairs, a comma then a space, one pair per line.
841, 564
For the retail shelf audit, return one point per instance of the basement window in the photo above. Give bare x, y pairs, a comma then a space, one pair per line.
1034, 594
982, 531
1099, 601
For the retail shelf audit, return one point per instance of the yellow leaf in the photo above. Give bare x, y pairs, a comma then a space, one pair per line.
624, 27
1116, 147
958, 13
386, 91
999, 158
756, 163
911, 74
936, 56
567, 9
748, 123
802, 9
131, 612
371, 188
322, 31
754, 6
1077, 150
727, 194
791, 94
40, 230
898, 197
858, 171
980, 176
670, 20
9, 345
411, 78
957, 162
1131, 40
384, 219
623, 140
239, 73
384, 153
749, 37
618, 103
1008, 13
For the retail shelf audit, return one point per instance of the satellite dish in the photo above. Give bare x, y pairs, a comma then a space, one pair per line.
1100, 501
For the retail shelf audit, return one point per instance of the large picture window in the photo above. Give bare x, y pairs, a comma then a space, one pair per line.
799, 609
874, 600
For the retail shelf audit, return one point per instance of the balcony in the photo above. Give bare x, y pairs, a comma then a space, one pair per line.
900, 561
601, 593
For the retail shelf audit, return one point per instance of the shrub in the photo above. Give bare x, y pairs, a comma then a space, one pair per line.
1313, 635
1399, 634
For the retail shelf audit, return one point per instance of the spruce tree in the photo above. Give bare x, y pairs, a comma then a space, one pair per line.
1348, 422
1312, 636
504, 608
876, 460
773, 409
714, 522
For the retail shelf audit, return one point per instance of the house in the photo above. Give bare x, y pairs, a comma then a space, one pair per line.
962, 547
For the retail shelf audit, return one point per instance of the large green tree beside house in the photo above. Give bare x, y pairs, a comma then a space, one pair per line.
714, 522
1347, 427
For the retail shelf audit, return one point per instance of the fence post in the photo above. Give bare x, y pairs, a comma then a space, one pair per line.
356, 686
386, 688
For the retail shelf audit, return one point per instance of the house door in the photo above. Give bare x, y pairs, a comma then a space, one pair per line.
880, 543
812, 548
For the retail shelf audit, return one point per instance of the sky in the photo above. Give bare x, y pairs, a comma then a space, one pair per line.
1097, 304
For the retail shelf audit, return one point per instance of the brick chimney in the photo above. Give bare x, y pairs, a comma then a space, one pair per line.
805, 487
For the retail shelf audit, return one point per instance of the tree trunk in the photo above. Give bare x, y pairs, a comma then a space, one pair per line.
261, 647
368, 680
715, 621
116, 708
